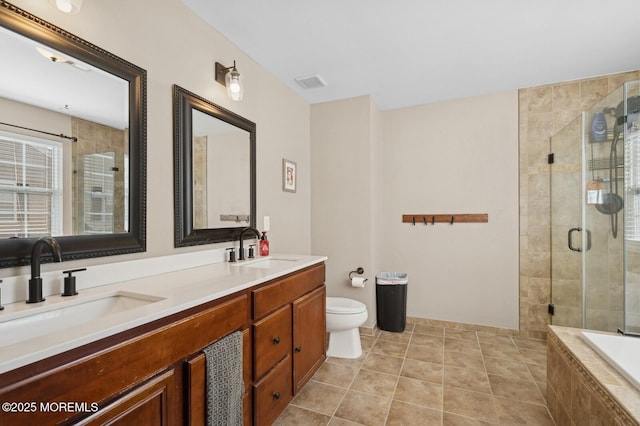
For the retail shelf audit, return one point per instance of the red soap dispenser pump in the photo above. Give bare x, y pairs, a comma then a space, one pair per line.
264, 245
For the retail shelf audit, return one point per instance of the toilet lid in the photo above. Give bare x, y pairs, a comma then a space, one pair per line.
342, 305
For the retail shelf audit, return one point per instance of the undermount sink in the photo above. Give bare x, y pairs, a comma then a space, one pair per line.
269, 262
43, 320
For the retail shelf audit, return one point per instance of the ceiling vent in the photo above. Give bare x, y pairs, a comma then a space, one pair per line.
311, 82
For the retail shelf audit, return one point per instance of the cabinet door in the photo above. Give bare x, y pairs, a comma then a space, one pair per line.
156, 402
309, 336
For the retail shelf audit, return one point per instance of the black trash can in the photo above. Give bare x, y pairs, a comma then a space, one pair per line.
391, 300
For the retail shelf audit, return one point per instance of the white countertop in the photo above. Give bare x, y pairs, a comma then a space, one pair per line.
177, 290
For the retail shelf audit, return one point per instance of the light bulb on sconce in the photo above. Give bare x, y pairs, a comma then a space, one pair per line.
67, 6
231, 79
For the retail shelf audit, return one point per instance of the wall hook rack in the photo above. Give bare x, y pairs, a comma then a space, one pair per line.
446, 218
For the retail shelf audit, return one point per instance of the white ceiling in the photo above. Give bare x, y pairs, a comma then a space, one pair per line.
410, 52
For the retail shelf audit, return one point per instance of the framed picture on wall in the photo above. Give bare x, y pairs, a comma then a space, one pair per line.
289, 171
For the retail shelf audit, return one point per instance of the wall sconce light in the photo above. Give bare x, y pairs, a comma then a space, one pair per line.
231, 79
67, 6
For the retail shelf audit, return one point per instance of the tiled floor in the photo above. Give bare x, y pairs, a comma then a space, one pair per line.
429, 376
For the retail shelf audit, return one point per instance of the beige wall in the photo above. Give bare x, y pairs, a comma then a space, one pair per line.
344, 145
370, 167
174, 46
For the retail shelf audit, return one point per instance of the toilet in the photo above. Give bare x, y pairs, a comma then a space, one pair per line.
344, 316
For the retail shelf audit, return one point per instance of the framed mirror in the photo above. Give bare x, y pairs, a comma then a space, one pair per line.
72, 144
214, 171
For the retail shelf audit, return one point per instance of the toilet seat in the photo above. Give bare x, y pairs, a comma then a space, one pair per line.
344, 306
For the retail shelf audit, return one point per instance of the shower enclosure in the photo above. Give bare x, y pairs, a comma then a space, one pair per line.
595, 216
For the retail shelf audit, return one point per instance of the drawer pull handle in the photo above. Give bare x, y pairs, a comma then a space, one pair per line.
276, 340
298, 349
276, 395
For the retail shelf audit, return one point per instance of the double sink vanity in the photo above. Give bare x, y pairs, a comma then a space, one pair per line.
133, 350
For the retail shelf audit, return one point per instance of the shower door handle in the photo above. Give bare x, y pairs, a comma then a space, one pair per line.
570, 239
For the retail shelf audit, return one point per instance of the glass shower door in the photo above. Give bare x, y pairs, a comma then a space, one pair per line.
631, 132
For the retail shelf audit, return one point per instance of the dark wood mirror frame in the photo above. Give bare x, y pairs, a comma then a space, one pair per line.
184, 102
15, 252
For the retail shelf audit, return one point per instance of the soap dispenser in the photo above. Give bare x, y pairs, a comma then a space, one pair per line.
264, 245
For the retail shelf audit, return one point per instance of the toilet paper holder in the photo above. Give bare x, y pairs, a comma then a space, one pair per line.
358, 271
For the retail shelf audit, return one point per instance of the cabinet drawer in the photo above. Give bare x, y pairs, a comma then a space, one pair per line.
287, 289
272, 340
273, 393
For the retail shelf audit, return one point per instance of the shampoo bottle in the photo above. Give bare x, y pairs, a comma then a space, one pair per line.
264, 245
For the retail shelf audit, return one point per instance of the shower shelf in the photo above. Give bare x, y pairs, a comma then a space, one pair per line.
427, 219
603, 163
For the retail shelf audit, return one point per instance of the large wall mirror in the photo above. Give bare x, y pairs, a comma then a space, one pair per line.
72, 143
215, 171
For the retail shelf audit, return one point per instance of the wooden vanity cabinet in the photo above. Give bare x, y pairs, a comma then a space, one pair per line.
135, 377
289, 339
155, 374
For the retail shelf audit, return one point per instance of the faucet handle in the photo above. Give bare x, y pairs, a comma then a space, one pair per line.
232, 254
70, 282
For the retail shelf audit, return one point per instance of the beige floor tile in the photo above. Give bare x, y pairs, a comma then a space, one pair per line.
509, 368
429, 375
296, 416
425, 353
466, 378
534, 356
319, 397
495, 339
429, 329
454, 333
418, 392
383, 363
384, 347
461, 345
335, 374
395, 337
364, 408
521, 413
539, 372
355, 363
402, 414
367, 342
477, 405
375, 383
450, 419
500, 351
422, 370
515, 389
427, 340
337, 421
464, 360
535, 344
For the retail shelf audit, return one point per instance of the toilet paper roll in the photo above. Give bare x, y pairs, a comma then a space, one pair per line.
358, 282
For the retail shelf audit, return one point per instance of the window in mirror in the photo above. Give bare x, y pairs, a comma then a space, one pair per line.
30, 187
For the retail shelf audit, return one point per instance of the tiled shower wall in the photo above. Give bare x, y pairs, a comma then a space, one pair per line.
543, 111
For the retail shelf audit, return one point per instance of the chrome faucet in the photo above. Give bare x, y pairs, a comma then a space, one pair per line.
244, 231
35, 283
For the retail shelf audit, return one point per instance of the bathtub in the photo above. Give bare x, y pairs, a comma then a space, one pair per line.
622, 352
